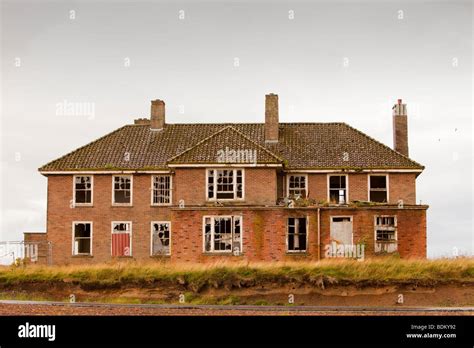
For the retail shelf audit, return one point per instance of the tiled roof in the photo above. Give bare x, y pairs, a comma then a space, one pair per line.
300, 146
227, 145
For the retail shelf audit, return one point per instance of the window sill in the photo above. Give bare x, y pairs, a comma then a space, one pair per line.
82, 256
160, 256
79, 205
297, 253
122, 205
221, 254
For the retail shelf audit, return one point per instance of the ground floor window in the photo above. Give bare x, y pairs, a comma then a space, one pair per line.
223, 234
160, 238
121, 238
296, 235
82, 238
385, 233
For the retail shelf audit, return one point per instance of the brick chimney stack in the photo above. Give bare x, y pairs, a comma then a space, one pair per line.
271, 118
400, 128
157, 118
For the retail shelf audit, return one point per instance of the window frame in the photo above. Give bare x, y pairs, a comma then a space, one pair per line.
74, 223
225, 252
395, 229
386, 188
131, 191
305, 251
215, 199
153, 190
130, 232
346, 189
74, 191
305, 186
151, 238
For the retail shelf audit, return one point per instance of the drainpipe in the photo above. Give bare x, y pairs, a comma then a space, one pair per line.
319, 234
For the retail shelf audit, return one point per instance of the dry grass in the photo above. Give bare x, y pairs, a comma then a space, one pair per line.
196, 276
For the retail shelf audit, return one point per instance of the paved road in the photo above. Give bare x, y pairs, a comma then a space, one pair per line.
63, 308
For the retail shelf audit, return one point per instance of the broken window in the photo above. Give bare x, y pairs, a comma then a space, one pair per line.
83, 189
162, 189
121, 238
160, 240
224, 184
297, 186
122, 189
378, 188
297, 233
337, 189
82, 238
385, 233
223, 234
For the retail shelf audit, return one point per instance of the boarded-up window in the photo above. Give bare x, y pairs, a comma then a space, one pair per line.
378, 188
337, 189
160, 239
122, 189
297, 235
161, 189
82, 189
121, 238
223, 234
82, 238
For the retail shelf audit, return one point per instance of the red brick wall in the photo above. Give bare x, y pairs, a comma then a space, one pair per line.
260, 186
402, 186
264, 229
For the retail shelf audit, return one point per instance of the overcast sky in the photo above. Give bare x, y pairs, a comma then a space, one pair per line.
332, 61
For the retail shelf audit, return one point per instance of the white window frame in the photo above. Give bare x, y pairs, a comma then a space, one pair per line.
387, 177
131, 235
74, 191
329, 187
131, 191
215, 185
225, 252
351, 219
151, 237
288, 183
395, 241
288, 235
153, 190
74, 223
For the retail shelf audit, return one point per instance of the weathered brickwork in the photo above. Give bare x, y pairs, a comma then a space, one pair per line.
264, 223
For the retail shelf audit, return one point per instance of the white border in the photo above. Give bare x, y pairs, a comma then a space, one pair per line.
215, 199
112, 232
388, 186
351, 217
74, 191
151, 236
287, 236
131, 192
224, 252
153, 188
74, 223
329, 188
288, 183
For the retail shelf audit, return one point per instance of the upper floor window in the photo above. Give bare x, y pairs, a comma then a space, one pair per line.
82, 189
161, 190
225, 184
122, 190
378, 185
338, 189
297, 185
